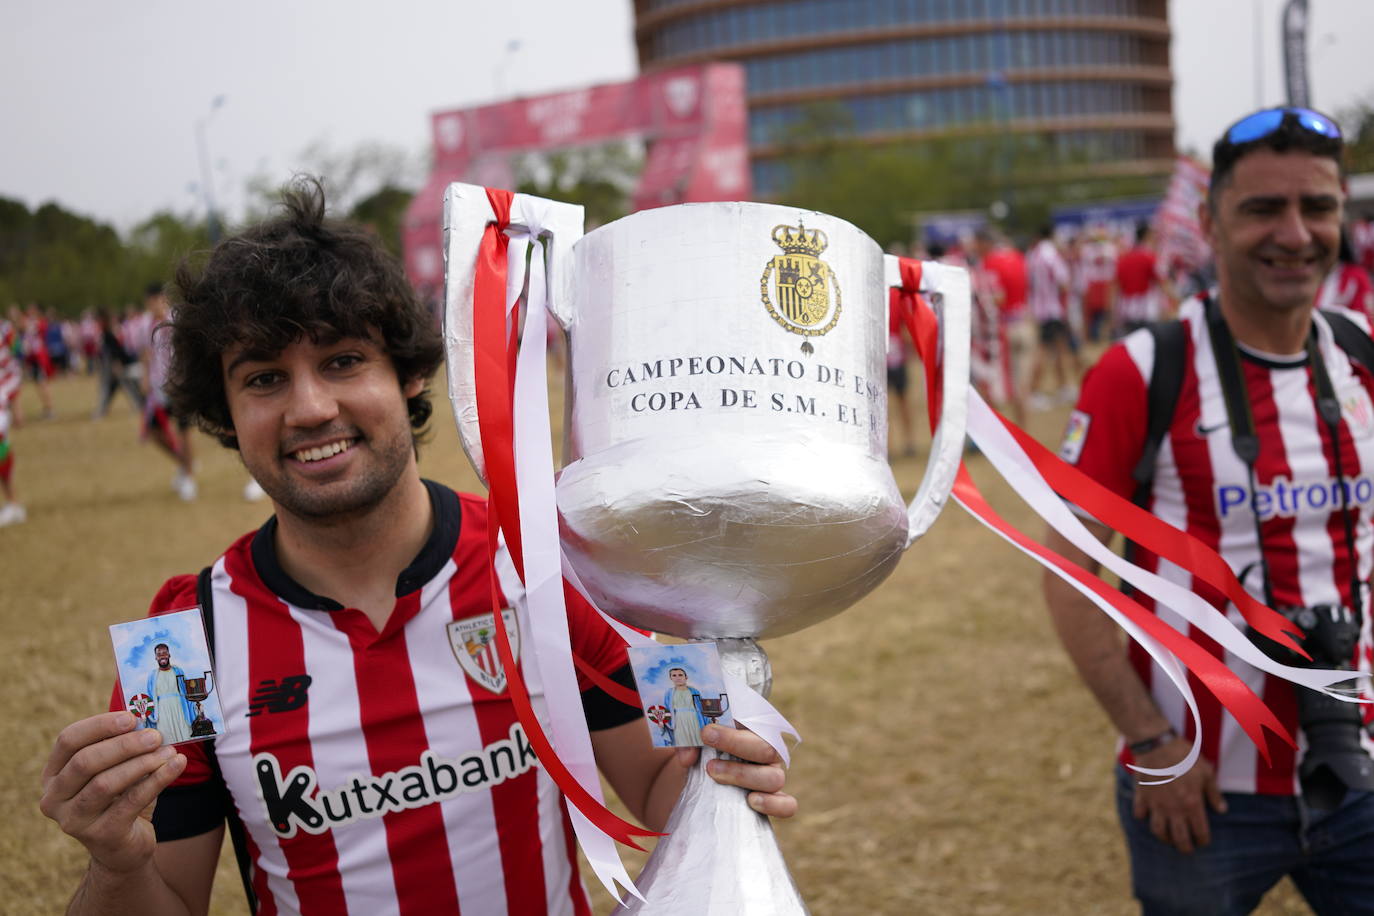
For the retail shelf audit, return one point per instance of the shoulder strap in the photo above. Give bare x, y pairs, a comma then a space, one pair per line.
1351, 338
205, 598
237, 834
1166, 381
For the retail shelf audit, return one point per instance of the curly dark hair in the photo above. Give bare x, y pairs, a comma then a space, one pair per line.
297, 275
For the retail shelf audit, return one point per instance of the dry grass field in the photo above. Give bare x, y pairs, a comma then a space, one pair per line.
952, 763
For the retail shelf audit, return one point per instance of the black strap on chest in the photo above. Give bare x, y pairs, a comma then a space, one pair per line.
1244, 439
237, 834
1166, 381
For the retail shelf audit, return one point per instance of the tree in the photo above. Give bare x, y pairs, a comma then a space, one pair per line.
384, 210
159, 243
883, 188
600, 178
69, 262
350, 176
58, 258
1357, 123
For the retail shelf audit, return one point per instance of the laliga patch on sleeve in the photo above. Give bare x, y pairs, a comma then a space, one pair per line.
1075, 434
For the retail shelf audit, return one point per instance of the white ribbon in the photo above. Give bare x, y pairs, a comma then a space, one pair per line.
549, 642
1010, 460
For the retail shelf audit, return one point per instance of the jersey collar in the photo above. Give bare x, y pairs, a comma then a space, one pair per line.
437, 550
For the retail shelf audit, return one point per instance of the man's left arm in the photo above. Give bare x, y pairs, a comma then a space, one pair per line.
649, 779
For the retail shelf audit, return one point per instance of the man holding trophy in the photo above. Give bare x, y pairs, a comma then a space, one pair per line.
394, 779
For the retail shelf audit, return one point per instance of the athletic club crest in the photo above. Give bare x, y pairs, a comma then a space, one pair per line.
473, 641
1358, 413
800, 290
141, 705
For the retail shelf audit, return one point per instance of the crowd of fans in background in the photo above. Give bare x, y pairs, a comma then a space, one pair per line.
1035, 308
120, 352
1033, 311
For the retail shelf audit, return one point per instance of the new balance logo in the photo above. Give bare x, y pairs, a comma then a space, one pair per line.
287, 696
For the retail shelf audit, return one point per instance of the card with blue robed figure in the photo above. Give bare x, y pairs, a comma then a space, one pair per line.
166, 677
681, 689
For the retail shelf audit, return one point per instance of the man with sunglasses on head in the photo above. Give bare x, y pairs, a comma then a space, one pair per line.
1263, 448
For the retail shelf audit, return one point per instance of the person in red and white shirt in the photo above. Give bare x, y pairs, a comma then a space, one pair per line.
1362, 241
1142, 291
373, 761
1218, 837
1005, 268
171, 433
1048, 279
1097, 269
1348, 285
12, 511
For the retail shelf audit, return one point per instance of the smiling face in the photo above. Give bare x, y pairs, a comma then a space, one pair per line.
322, 426
1275, 227
163, 656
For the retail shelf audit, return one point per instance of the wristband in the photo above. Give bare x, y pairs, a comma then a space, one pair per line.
1150, 744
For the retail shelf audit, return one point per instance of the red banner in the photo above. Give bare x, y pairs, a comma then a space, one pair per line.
693, 119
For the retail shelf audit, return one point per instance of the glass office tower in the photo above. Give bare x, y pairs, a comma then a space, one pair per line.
1091, 77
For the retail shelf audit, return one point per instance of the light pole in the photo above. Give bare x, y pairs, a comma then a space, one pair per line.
206, 180
499, 71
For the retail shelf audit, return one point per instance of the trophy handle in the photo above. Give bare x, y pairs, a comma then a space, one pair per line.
947, 444
467, 213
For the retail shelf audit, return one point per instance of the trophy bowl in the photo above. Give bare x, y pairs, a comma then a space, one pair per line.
197, 689
725, 458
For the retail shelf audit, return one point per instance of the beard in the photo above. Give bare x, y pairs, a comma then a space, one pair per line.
363, 490
164, 663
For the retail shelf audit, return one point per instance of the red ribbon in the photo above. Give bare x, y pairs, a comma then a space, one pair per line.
617, 691
494, 377
1247, 708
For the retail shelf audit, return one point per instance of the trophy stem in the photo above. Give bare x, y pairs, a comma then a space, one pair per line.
720, 856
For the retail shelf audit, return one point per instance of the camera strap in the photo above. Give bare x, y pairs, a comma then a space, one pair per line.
1245, 441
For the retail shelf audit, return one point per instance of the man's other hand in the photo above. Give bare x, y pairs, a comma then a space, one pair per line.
758, 769
1177, 810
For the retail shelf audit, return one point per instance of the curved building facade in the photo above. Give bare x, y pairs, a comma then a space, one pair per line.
1091, 76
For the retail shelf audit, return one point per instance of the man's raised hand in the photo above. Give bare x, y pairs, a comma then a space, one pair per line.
100, 783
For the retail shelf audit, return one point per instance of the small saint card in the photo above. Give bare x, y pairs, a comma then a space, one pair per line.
681, 689
166, 677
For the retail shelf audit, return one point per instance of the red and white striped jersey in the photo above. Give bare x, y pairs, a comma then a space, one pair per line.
1097, 260
11, 372
1200, 486
1347, 287
1047, 274
385, 772
1362, 240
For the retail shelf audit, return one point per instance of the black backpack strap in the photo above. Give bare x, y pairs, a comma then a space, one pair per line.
1351, 338
205, 598
237, 834
1166, 381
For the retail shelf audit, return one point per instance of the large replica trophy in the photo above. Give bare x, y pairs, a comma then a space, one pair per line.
725, 473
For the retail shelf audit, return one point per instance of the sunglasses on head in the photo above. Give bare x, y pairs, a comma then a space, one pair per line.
1263, 123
